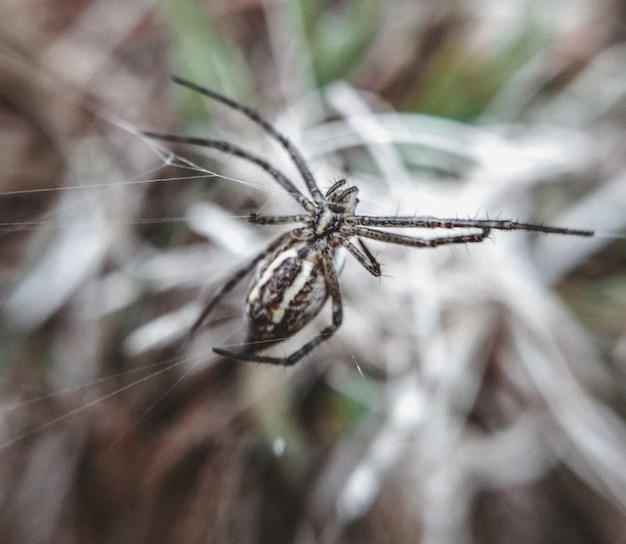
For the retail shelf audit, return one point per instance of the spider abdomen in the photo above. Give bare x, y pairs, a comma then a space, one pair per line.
287, 292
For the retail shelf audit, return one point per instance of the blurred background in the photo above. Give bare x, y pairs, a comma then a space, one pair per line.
472, 395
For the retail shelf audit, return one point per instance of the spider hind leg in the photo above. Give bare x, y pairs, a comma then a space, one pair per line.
254, 342
248, 355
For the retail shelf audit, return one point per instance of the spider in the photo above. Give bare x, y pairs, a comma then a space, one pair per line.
299, 270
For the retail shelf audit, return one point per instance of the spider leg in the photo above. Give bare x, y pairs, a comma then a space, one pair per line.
231, 149
367, 251
412, 241
332, 284
435, 222
365, 257
277, 219
293, 152
234, 279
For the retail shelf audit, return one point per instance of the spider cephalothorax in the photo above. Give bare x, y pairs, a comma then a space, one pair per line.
298, 272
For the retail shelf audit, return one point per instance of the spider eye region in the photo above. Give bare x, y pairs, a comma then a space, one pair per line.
286, 293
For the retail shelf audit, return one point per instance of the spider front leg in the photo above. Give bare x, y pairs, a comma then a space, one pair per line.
412, 241
332, 290
453, 223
